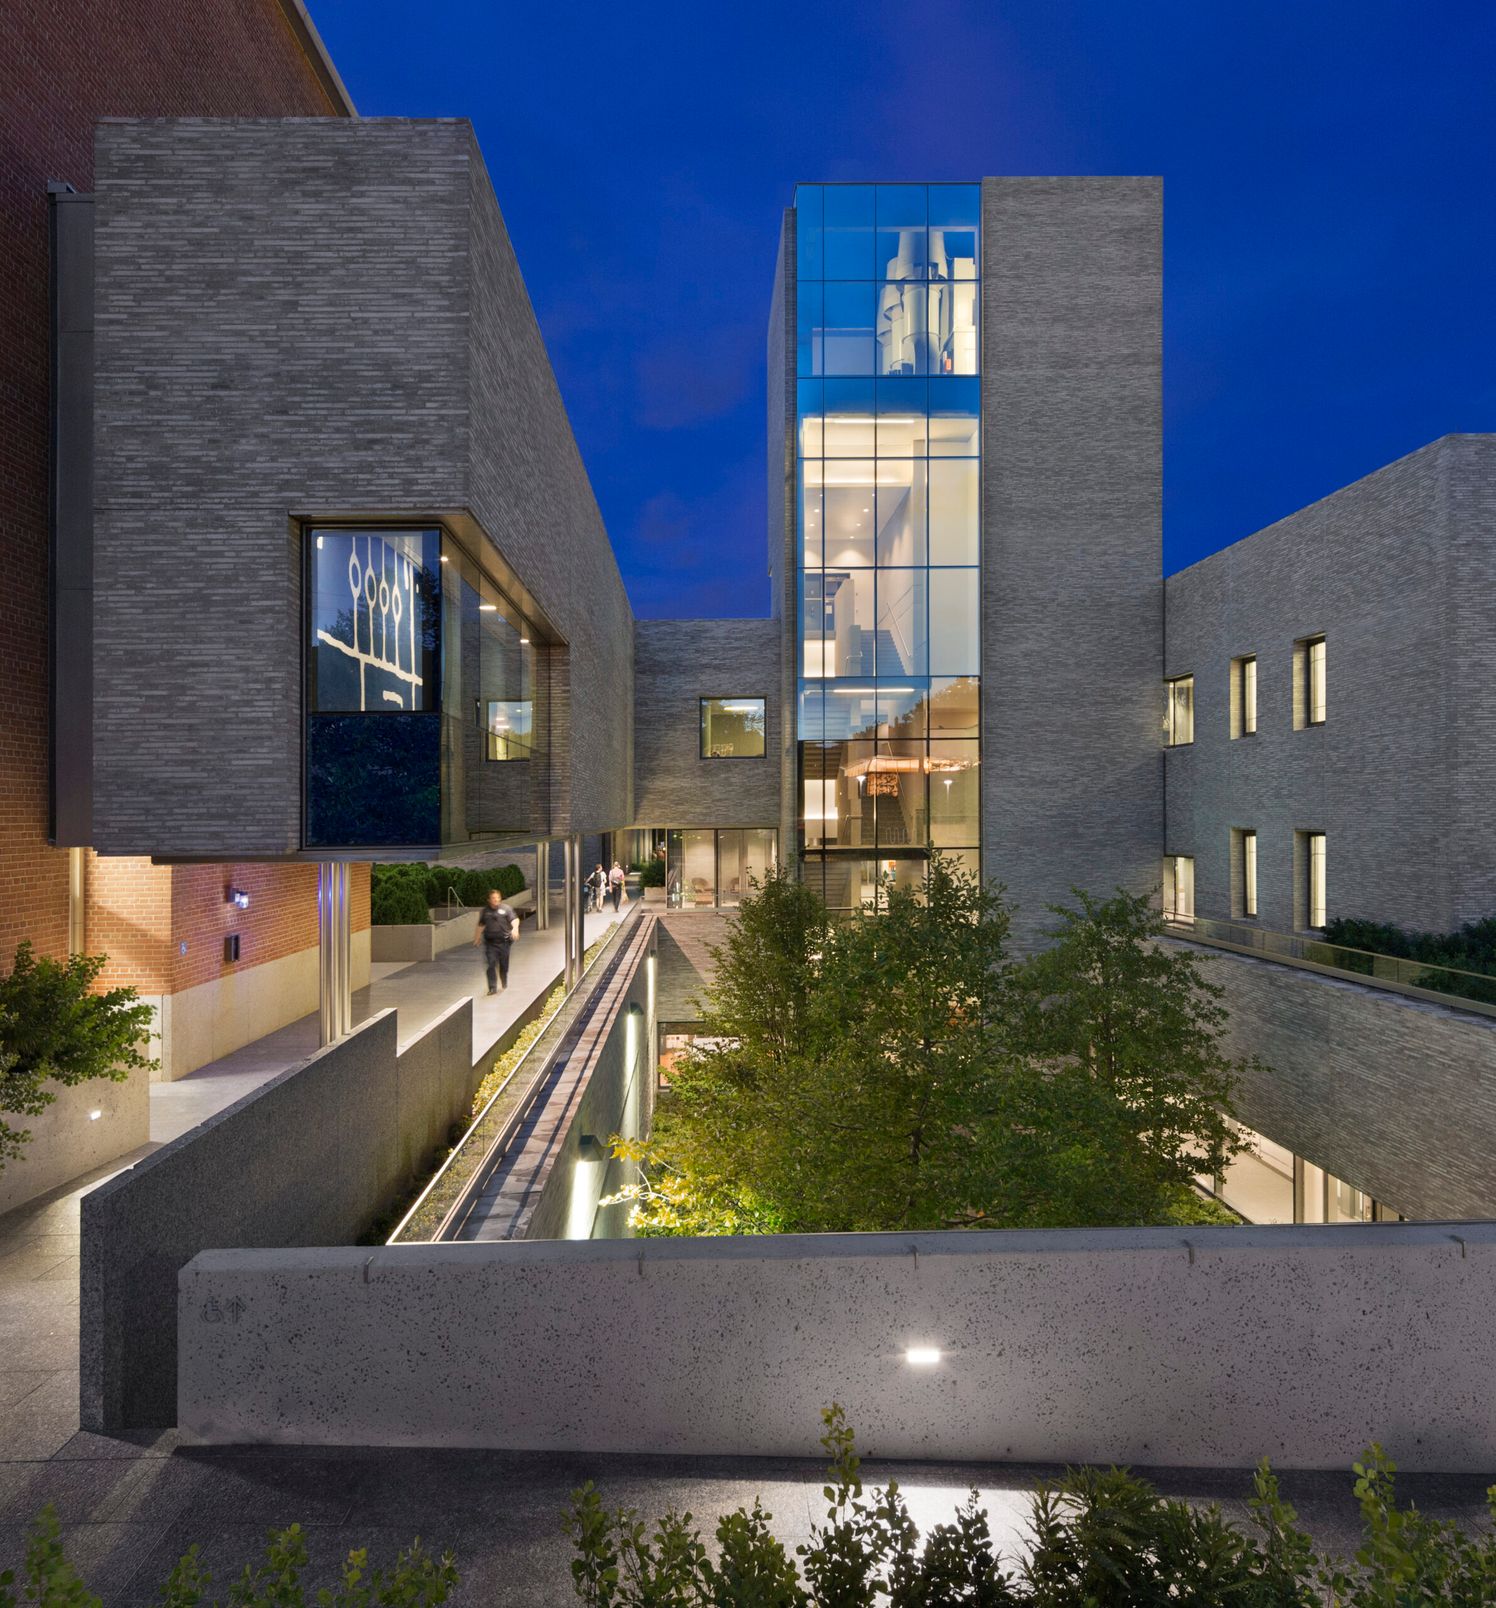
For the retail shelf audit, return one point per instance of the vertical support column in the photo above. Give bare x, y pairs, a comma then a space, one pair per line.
77, 901
543, 885
569, 881
334, 952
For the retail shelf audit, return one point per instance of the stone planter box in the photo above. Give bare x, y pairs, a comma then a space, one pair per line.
427, 939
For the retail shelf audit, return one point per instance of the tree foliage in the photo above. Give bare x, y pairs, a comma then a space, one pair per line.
904, 1071
55, 1029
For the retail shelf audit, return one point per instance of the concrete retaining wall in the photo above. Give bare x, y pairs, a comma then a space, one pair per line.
1213, 1348
67, 1142
308, 1159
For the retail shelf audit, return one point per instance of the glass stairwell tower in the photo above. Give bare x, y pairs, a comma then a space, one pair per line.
887, 586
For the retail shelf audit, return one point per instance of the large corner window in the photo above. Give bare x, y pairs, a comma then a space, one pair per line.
732, 728
888, 478
373, 738
375, 621
716, 868
1179, 711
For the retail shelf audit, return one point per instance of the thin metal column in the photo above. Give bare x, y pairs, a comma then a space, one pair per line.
77, 901
543, 886
568, 913
334, 952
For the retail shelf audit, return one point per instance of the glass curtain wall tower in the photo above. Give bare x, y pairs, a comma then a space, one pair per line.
888, 497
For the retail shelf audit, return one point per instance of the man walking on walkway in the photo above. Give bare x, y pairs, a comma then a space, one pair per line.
615, 883
498, 927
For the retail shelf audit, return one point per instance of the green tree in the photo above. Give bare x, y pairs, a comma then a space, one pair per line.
901, 1071
855, 1071
55, 1029
1128, 1089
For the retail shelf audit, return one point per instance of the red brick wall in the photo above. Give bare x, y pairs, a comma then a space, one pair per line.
66, 64
140, 915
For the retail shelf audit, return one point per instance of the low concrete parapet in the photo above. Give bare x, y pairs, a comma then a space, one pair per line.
1212, 1346
309, 1158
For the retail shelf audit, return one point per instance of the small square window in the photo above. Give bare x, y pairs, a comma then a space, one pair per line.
732, 728
1179, 711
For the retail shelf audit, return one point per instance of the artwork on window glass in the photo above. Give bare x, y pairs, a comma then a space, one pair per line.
375, 620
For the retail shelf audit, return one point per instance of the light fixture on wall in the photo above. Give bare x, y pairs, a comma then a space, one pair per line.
238, 898
93, 1116
922, 1356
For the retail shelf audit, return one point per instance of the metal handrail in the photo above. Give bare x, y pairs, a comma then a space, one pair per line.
1444, 985
488, 1104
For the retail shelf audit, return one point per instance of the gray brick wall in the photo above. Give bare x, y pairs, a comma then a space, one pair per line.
1398, 572
677, 663
1071, 591
309, 317
1395, 1096
686, 939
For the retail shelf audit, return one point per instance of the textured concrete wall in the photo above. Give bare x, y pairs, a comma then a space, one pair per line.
1071, 595
676, 664
1066, 1346
307, 1159
1396, 1096
1398, 572
311, 318
686, 939
66, 1142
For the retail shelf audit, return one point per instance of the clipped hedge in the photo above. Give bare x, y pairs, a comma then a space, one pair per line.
406, 894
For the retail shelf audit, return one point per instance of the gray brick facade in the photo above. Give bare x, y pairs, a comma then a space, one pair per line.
1395, 1096
308, 318
676, 664
1398, 573
1071, 557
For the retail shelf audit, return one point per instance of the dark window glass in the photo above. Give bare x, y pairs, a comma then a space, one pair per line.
808, 231
846, 341
901, 232
373, 782
849, 231
732, 728
375, 621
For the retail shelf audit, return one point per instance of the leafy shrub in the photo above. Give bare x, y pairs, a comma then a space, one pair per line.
651, 872
398, 897
398, 889
55, 1029
1101, 1538
1472, 948
416, 1579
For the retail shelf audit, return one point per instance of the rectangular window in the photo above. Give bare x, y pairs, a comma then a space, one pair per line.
1179, 887
1179, 711
732, 728
1315, 890
1249, 873
1315, 712
1308, 682
1244, 696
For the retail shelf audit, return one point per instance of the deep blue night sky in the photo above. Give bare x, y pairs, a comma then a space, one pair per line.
1330, 218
